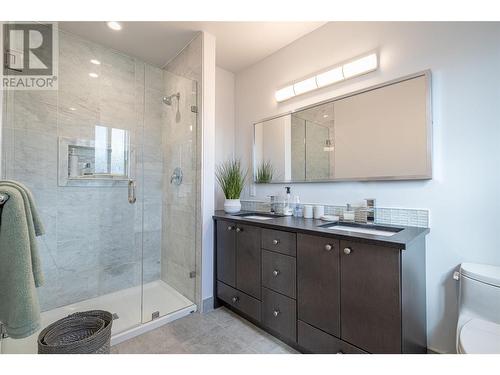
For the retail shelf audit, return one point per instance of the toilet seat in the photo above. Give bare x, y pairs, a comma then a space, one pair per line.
479, 336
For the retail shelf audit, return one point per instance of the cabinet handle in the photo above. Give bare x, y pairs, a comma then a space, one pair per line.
230, 228
328, 247
239, 230
276, 272
347, 250
276, 313
235, 299
276, 242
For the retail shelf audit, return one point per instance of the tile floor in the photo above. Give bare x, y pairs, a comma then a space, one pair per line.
217, 332
157, 296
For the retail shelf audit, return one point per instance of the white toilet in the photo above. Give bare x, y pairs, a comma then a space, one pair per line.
478, 328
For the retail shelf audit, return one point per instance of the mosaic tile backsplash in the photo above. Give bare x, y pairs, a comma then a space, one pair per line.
393, 216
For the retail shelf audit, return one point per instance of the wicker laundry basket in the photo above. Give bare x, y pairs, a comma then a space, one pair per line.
86, 332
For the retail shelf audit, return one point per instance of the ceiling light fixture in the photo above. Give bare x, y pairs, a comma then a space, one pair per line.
93, 75
356, 67
95, 62
113, 25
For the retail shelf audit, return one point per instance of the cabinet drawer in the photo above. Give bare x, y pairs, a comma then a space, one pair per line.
279, 314
279, 241
239, 300
313, 340
279, 273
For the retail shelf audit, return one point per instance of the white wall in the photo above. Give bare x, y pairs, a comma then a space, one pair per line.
463, 195
208, 165
224, 123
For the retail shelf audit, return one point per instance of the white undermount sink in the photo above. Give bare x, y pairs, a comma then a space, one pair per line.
258, 217
387, 232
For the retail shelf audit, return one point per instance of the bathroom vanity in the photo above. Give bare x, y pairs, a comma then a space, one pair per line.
321, 289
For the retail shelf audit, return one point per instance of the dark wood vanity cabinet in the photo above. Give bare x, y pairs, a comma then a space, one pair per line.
370, 296
239, 257
324, 293
226, 252
248, 260
318, 282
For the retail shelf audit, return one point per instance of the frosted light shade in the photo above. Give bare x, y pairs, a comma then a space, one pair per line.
363, 65
284, 93
330, 77
305, 86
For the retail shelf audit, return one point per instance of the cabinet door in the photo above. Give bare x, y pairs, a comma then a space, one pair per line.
226, 252
370, 297
318, 282
248, 259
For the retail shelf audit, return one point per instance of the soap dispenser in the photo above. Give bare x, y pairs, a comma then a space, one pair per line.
288, 211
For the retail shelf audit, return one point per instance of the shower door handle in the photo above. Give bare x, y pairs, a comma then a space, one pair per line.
131, 192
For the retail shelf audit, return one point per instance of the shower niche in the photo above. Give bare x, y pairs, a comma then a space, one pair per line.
105, 160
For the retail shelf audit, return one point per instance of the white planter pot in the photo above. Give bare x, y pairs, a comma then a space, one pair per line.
232, 206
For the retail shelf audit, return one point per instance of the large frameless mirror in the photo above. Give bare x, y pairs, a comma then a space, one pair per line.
380, 133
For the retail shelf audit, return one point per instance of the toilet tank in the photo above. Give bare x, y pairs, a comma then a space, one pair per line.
479, 292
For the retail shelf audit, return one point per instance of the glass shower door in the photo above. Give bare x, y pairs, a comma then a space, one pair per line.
169, 267
77, 149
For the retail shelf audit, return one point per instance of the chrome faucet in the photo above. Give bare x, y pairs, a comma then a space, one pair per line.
274, 203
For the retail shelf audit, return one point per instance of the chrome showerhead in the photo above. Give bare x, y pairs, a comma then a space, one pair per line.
168, 99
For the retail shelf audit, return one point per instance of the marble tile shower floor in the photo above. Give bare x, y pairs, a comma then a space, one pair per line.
217, 332
158, 296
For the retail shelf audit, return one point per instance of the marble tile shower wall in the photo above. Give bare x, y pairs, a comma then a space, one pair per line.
94, 236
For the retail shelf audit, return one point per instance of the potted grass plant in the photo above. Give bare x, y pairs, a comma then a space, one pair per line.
264, 173
231, 177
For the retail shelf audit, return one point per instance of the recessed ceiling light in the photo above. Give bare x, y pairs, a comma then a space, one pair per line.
113, 25
72, 108
93, 75
95, 62
325, 116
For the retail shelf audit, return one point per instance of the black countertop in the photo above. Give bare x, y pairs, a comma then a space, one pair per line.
399, 240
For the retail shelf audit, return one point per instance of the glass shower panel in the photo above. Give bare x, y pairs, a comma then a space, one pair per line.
169, 246
77, 149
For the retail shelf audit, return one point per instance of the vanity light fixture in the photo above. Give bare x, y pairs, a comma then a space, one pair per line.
305, 86
284, 93
353, 68
113, 25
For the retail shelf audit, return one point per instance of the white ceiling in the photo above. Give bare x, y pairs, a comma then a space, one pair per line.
239, 44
